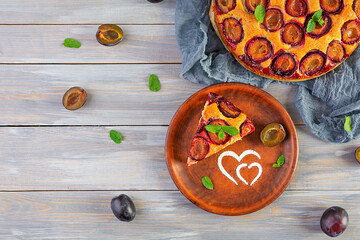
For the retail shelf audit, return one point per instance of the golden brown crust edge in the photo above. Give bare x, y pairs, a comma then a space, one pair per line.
255, 70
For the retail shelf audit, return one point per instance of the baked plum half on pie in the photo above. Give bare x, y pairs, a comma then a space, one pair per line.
292, 43
220, 112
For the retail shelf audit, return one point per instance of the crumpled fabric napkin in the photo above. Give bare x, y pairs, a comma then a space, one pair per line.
322, 102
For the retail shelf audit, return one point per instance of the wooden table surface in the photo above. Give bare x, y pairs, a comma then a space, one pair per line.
60, 169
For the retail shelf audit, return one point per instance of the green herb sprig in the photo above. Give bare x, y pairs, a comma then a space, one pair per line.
154, 83
71, 43
316, 17
115, 136
221, 130
260, 13
347, 124
206, 181
280, 161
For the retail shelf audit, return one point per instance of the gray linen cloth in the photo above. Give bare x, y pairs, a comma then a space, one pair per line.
322, 102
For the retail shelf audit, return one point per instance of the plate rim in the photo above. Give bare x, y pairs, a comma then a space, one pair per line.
174, 178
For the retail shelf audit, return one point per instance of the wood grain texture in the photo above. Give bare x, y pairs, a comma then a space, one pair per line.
86, 12
167, 215
85, 158
117, 94
43, 44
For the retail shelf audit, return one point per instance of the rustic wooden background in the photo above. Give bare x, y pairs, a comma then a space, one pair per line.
59, 169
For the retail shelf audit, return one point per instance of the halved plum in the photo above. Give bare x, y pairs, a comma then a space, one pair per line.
356, 7
199, 148
332, 6
252, 4
283, 64
335, 51
246, 128
225, 6
273, 20
296, 8
232, 30
319, 30
259, 49
214, 136
292, 34
350, 31
312, 63
227, 108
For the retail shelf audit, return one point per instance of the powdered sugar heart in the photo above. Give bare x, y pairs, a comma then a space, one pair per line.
239, 158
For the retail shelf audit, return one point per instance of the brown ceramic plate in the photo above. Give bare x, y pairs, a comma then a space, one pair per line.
227, 198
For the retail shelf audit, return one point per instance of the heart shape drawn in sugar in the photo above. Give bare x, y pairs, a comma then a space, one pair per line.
239, 158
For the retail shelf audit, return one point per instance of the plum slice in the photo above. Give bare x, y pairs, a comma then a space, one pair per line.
332, 6
296, 8
283, 64
319, 30
109, 34
312, 63
259, 49
232, 30
225, 6
214, 136
335, 51
356, 8
350, 31
227, 108
199, 148
252, 4
74, 98
246, 128
273, 20
292, 34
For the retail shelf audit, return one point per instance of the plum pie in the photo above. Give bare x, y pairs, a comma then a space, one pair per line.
281, 47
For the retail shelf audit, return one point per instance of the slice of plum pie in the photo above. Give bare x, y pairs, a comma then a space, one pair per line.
221, 124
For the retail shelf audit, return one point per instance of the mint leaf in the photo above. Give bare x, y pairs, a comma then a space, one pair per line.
206, 181
347, 124
221, 134
233, 131
115, 136
280, 161
317, 15
213, 128
154, 83
310, 26
71, 43
260, 13
321, 22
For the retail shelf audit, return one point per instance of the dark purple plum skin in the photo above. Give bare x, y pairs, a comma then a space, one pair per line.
228, 10
334, 221
123, 208
231, 111
154, 1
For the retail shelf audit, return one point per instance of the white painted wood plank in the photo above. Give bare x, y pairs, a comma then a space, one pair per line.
86, 12
85, 158
118, 94
43, 44
167, 215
